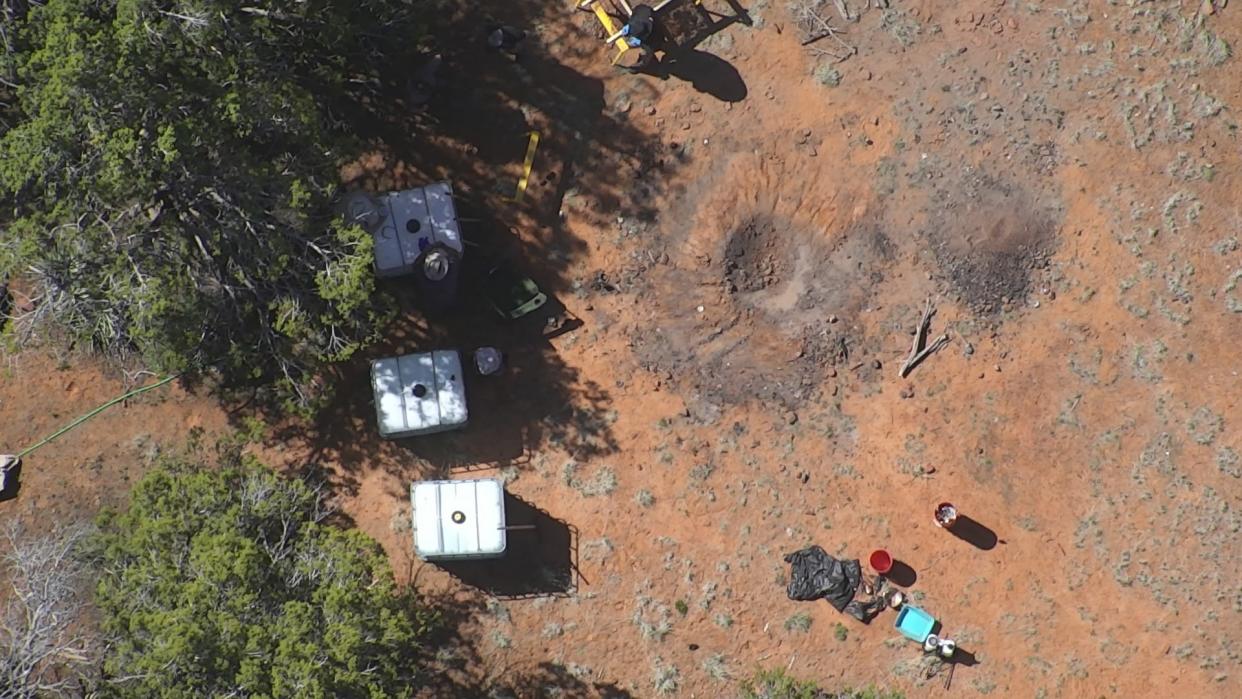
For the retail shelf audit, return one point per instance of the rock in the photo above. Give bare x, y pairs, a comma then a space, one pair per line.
791, 417
929, 470
875, 364
968, 350
650, 111
696, 108
907, 392
685, 126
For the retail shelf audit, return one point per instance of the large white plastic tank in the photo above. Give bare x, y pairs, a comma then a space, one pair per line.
419, 393
406, 223
458, 519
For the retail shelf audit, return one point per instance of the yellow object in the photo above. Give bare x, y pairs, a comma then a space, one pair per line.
531, 146
611, 27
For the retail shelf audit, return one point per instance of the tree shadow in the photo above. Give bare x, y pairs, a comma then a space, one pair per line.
536, 399
540, 560
902, 574
973, 533
591, 166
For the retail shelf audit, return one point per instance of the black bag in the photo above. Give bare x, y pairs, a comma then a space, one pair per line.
815, 574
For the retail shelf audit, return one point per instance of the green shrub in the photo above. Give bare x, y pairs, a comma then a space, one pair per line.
776, 684
227, 582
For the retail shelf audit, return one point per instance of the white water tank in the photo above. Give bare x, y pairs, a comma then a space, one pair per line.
458, 519
409, 222
419, 393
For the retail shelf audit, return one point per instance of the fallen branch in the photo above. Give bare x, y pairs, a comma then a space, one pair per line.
843, 10
918, 349
814, 27
924, 354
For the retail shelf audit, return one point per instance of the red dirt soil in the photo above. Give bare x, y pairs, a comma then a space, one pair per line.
1057, 179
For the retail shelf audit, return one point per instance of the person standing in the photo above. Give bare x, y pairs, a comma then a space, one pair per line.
638, 32
505, 39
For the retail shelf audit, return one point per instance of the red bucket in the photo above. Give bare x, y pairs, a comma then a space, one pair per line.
881, 561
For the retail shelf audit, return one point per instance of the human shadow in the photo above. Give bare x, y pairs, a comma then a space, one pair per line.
902, 574
973, 533
540, 559
706, 72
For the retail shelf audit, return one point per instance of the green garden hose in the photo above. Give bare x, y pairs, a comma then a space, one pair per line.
93, 413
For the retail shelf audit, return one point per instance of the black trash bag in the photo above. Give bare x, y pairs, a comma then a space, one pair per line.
866, 611
815, 574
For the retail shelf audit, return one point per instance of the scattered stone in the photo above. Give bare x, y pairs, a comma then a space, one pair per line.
875, 364
791, 417
650, 111
907, 392
968, 350
929, 470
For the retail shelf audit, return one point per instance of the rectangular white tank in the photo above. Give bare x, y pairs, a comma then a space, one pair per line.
410, 221
458, 519
419, 393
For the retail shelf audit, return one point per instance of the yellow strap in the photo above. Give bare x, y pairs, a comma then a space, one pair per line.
531, 146
611, 28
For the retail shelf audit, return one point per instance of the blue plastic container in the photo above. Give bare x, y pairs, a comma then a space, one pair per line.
914, 623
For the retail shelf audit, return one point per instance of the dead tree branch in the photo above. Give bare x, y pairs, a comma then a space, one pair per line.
45, 645
814, 26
